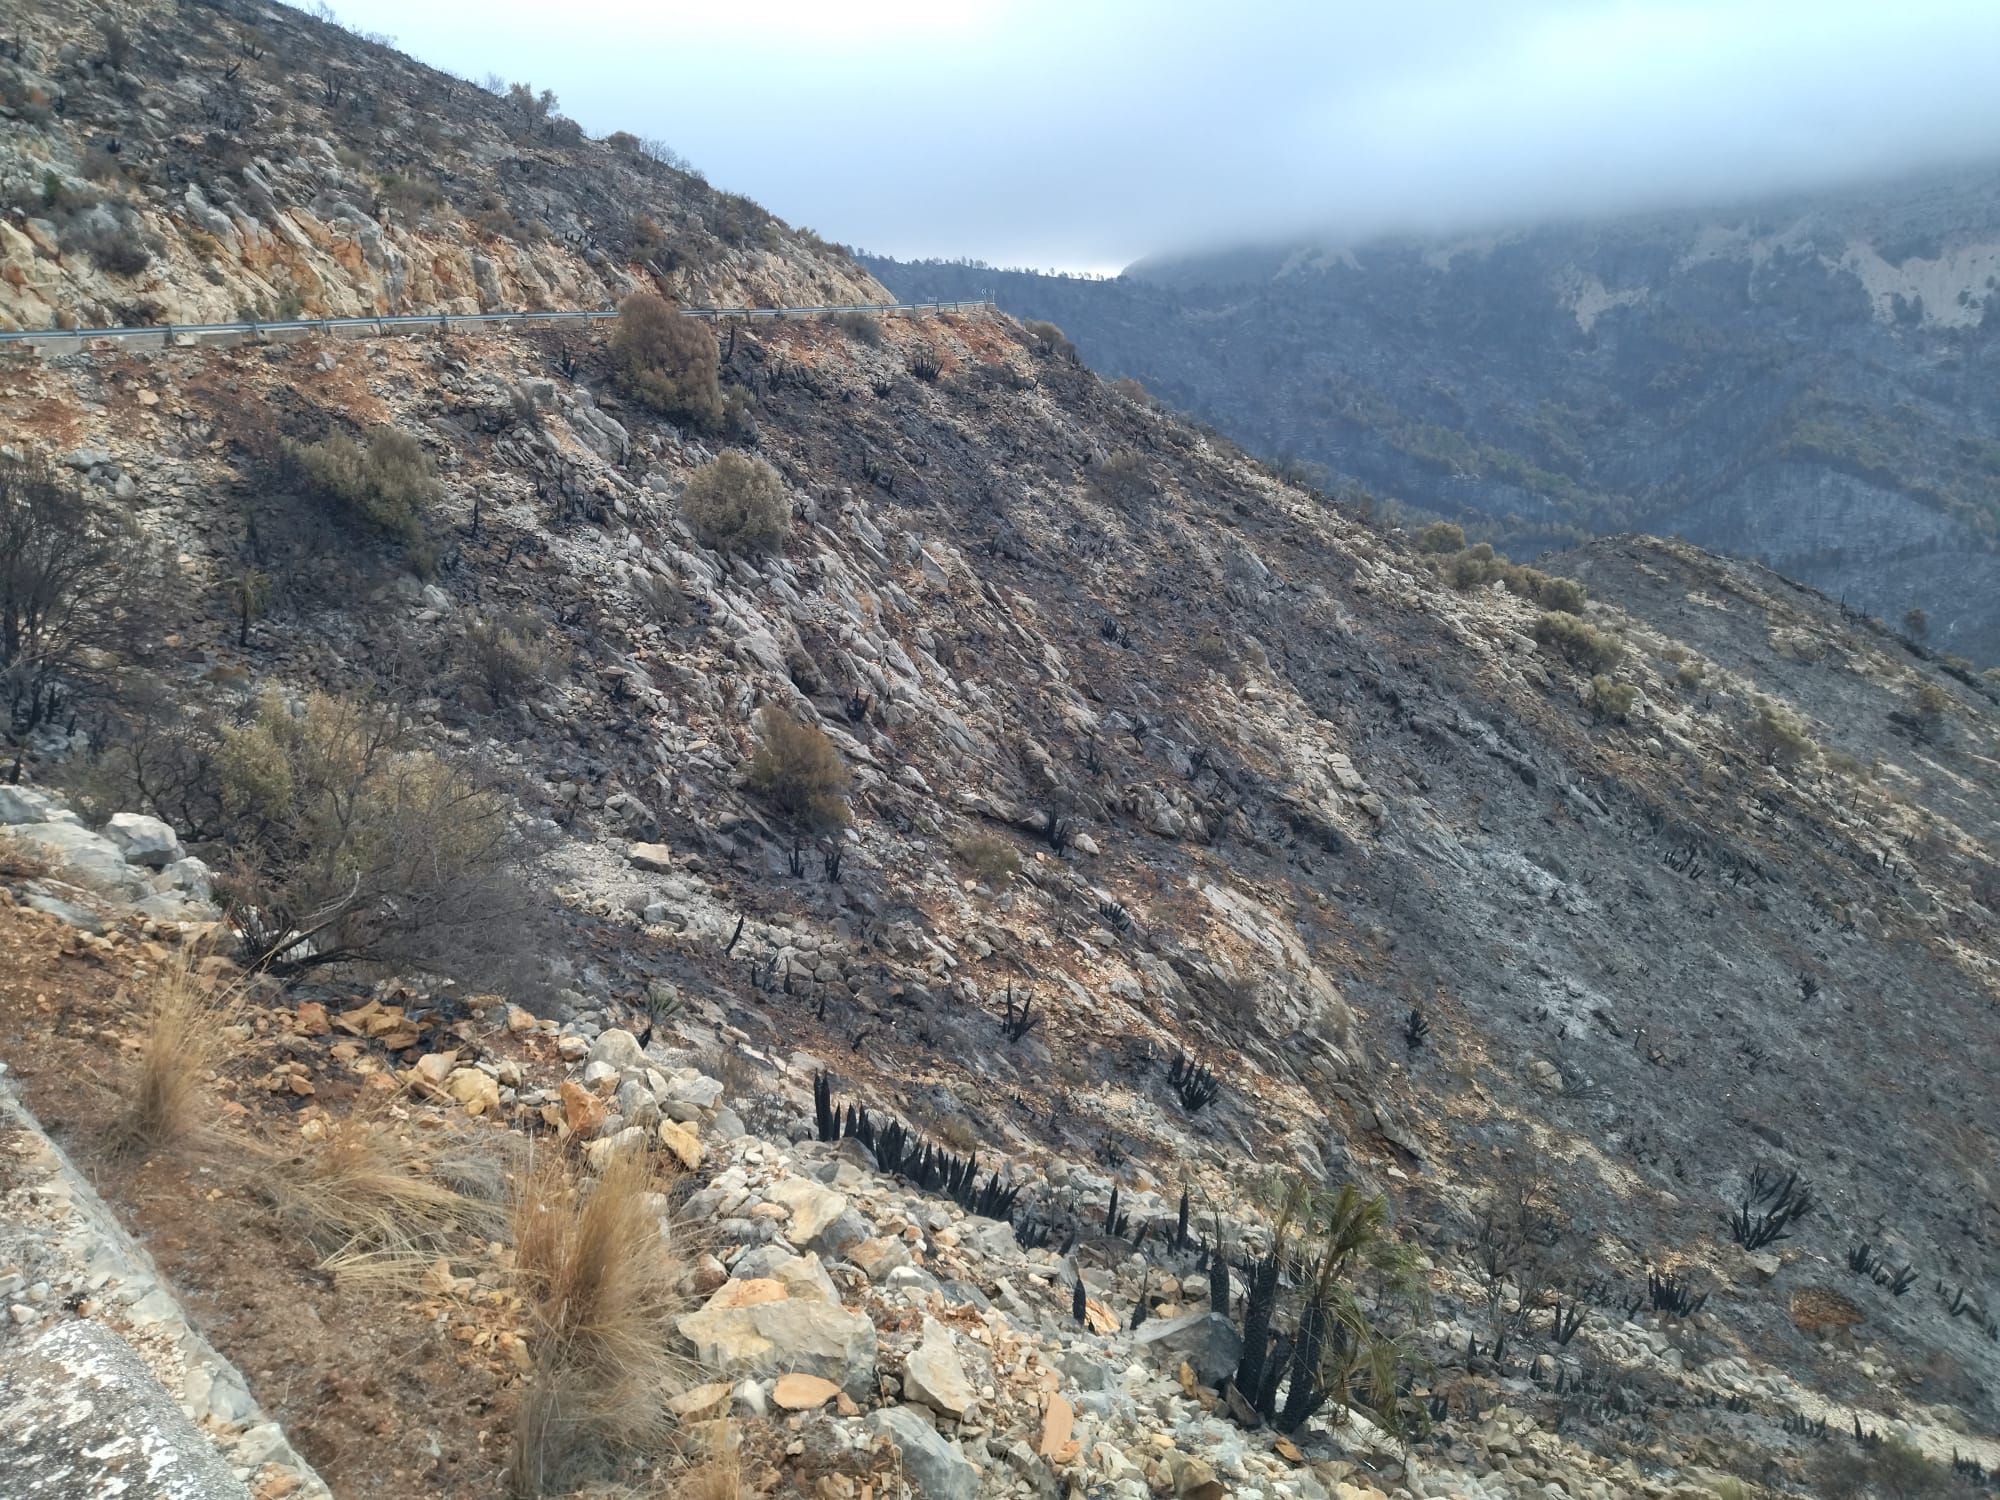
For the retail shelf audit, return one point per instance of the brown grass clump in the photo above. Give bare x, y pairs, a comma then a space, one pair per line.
600, 1274
376, 1201
186, 1016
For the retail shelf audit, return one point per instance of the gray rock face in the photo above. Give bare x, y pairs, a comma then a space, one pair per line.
619, 1049
82, 1418
935, 1468
82, 857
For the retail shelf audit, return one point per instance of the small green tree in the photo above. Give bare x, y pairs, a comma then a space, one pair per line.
738, 504
797, 771
1612, 699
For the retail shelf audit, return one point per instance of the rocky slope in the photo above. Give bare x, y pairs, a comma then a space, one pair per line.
1443, 924
1805, 381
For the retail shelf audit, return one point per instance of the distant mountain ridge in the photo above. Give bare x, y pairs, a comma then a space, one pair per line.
1807, 381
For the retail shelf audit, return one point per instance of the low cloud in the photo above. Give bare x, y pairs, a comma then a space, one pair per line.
1051, 134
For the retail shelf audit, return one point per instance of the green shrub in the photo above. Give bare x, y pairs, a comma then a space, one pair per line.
1611, 699
1577, 643
863, 328
992, 858
1688, 675
388, 485
1565, 595
668, 362
738, 504
1469, 570
1441, 536
797, 771
1048, 340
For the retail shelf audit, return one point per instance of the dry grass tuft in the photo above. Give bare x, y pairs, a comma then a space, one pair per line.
599, 1272
186, 1016
380, 1204
716, 1473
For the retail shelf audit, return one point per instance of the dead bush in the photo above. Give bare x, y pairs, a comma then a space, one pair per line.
509, 657
992, 858
1121, 479
599, 1271
63, 565
863, 328
184, 1040
1047, 340
668, 362
1780, 736
353, 845
737, 504
387, 485
799, 774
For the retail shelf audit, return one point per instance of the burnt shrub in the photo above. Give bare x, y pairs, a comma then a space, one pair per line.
863, 328
1611, 699
1121, 479
798, 774
992, 858
509, 657
668, 362
737, 504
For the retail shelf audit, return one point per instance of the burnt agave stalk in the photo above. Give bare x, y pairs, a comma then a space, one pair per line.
1258, 1303
1181, 1223
1076, 1301
1111, 1212
1306, 1394
1218, 1284
823, 1112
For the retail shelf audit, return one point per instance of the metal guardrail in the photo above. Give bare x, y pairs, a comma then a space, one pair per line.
446, 322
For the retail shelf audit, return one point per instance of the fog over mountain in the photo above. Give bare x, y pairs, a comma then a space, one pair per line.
1029, 132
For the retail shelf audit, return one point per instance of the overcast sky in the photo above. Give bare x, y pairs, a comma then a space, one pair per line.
1087, 133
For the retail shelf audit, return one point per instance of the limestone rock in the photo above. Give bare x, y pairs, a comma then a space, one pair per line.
477, 1091
935, 1469
143, 840
797, 1392
617, 1048
934, 1375
781, 1335
819, 1216
84, 1417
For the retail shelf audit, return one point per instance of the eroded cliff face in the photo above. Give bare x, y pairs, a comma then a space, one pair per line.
217, 163
1272, 787
1807, 382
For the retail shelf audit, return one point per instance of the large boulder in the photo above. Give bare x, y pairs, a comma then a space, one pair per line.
935, 1468
820, 1218
143, 840
752, 1328
934, 1376
1206, 1340
617, 1048
79, 856
23, 804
